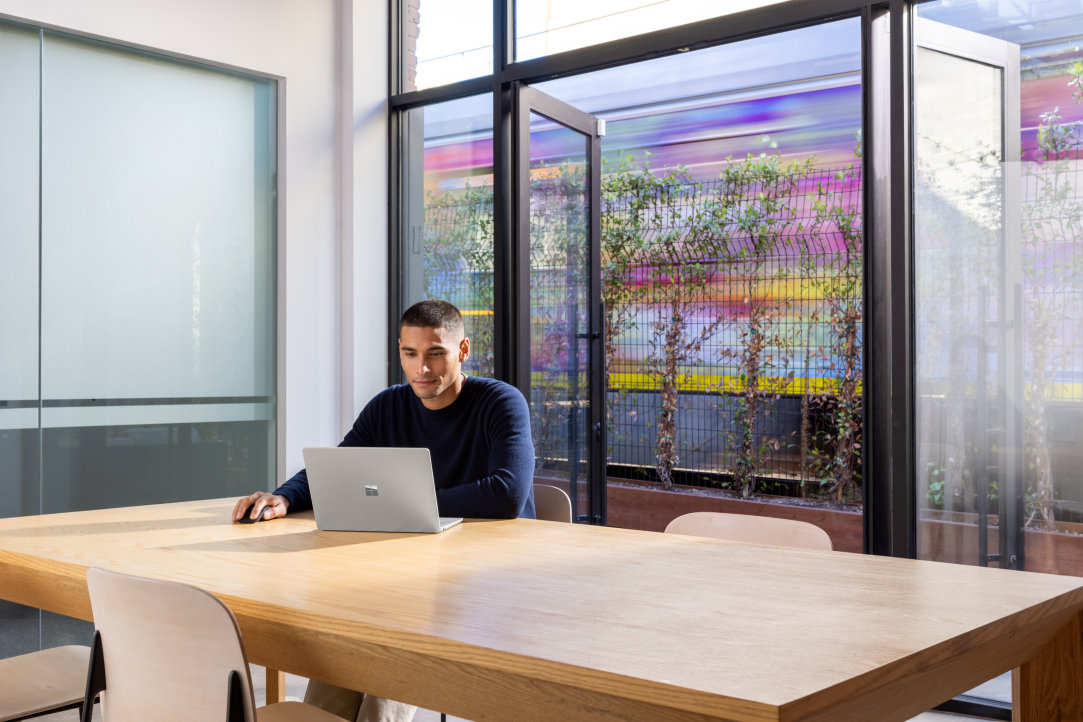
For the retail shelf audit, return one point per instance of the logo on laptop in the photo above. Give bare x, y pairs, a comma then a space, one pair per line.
372, 490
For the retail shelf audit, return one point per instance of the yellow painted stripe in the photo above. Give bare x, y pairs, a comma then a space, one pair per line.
727, 383
716, 383
706, 383
1066, 392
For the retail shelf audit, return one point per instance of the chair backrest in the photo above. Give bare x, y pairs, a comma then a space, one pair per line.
749, 528
552, 503
168, 650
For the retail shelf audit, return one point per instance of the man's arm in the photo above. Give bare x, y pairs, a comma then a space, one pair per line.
507, 491
294, 493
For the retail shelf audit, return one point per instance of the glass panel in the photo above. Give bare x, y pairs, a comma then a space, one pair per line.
446, 42
448, 254
999, 285
158, 278
999, 310
732, 264
20, 486
101, 466
559, 304
545, 27
958, 270
20, 73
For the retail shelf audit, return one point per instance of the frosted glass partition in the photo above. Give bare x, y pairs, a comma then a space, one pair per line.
959, 262
137, 286
19, 82
158, 268
150, 275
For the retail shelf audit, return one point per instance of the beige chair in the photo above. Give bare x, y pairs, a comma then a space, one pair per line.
47, 681
552, 503
167, 651
748, 528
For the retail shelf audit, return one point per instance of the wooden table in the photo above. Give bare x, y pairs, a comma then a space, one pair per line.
531, 620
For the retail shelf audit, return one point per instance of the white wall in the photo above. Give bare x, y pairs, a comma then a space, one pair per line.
332, 55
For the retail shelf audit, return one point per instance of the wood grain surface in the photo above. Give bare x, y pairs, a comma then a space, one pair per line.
533, 620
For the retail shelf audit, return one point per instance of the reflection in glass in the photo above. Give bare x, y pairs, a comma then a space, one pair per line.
797, 92
964, 461
999, 245
958, 269
559, 301
546, 27
448, 248
446, 42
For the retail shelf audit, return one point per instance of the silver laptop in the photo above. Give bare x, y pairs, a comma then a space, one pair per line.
364, 488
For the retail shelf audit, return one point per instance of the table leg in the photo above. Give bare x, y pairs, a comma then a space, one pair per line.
276, 686
1050, 686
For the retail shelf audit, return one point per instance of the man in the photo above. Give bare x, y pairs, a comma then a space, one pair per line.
477, 431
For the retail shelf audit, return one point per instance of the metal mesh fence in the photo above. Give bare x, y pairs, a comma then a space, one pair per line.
734, 340
734, 321
458, 265
559, 318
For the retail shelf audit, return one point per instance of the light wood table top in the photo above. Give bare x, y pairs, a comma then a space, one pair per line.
523, 619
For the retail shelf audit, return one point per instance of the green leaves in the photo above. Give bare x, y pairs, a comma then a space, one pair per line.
1076, 82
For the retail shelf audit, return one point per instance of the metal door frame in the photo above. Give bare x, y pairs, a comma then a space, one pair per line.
532, 101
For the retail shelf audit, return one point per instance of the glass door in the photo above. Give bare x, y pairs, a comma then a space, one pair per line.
558, 237
968, 365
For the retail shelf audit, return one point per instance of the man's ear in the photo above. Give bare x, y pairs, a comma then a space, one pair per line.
464, 349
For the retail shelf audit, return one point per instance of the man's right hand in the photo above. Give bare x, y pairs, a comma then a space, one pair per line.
260, 500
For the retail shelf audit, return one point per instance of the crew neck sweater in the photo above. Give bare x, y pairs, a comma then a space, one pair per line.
480, 445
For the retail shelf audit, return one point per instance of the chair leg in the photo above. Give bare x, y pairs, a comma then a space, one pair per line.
95, 678
235, 706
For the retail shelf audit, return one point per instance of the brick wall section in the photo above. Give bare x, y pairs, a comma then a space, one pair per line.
632, 505
413, 28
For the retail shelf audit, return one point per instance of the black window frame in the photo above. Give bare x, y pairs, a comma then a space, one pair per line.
890, 503
890, 519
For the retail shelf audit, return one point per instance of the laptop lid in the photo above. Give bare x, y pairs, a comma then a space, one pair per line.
364, 488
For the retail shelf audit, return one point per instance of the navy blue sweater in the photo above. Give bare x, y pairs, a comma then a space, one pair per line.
482, 454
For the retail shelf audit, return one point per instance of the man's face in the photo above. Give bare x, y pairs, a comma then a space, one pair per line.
432, 360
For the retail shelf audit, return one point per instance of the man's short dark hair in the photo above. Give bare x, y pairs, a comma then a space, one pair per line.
433, 313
